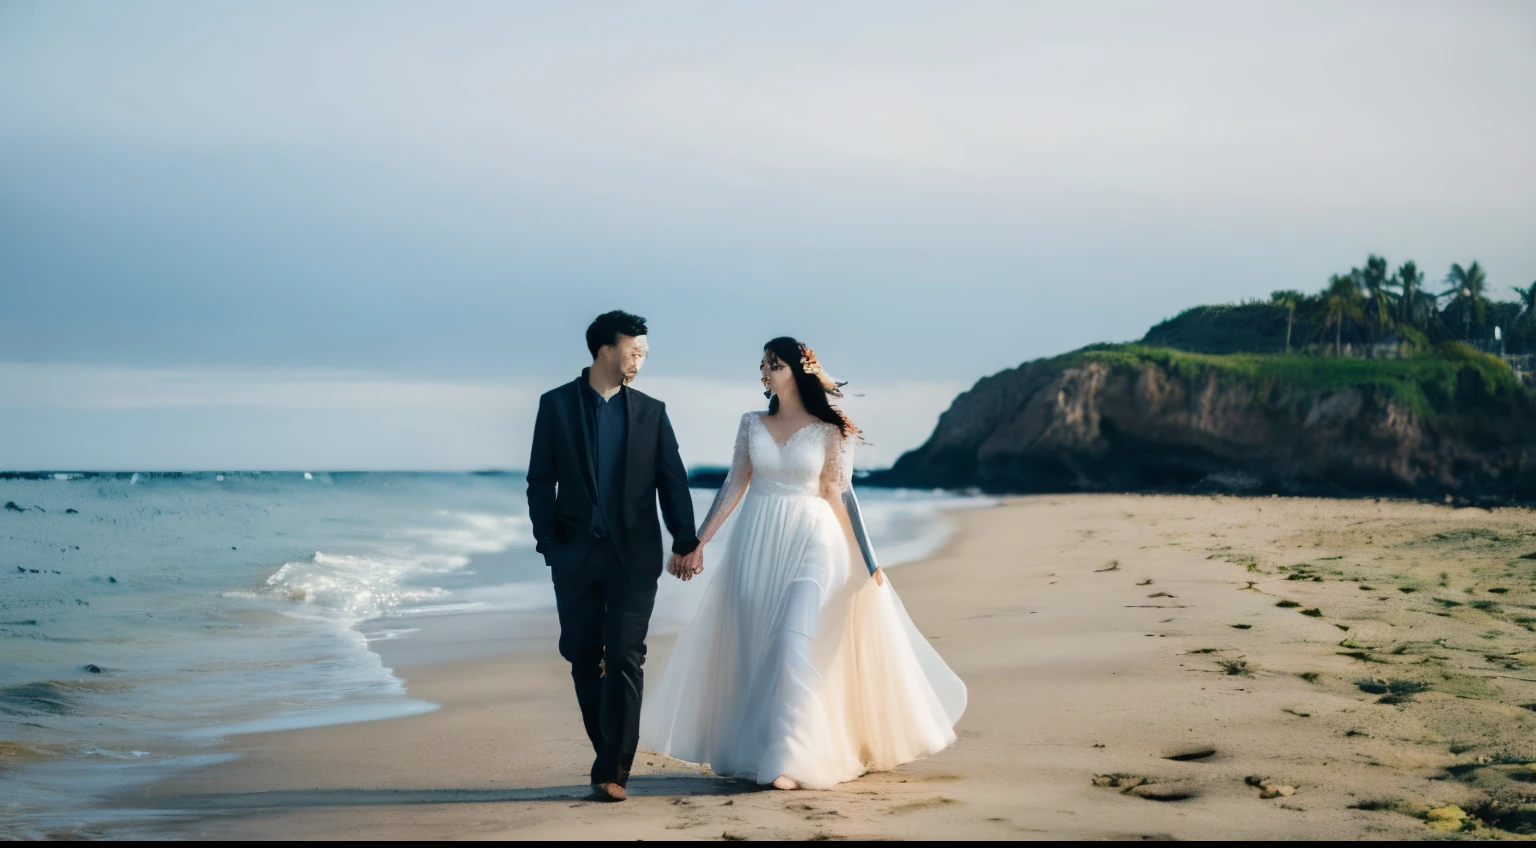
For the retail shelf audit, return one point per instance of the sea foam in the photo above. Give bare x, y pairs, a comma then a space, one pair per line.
355, 587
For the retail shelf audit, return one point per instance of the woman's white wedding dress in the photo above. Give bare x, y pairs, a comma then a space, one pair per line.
798, 662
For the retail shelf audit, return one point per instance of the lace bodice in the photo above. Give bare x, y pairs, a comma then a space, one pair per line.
793, 468
816, 461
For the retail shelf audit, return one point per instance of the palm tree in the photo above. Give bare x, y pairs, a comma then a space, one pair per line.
1290, 299
1466, 294
1523, 328
1527, 302
1378, 300
1343, 299
1413, 304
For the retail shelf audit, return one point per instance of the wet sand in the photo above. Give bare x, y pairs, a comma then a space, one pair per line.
1139, 666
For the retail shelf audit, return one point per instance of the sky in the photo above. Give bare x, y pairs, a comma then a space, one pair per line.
369, 234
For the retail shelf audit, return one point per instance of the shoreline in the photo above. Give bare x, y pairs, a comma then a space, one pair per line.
367, 584
1217, 490
1079, 672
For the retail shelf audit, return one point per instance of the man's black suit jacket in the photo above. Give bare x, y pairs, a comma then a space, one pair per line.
562, 483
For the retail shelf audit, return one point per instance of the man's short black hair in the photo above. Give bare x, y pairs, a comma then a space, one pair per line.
609, 326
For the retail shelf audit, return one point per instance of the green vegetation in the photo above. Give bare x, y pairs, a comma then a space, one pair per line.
1235, 666
1374, 361
1375, 804
1363, 656
1392, 691
1451, 378
1372, 306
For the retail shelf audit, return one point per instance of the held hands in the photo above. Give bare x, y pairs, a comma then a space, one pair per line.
675, 567
686, 567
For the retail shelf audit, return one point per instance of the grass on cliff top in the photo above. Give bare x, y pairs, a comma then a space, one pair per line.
1451, 378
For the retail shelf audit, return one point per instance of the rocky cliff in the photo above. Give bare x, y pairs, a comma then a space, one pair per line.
1118, 418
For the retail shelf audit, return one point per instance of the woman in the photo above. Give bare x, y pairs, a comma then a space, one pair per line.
802, 667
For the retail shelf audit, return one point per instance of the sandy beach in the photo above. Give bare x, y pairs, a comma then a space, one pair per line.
1138, 666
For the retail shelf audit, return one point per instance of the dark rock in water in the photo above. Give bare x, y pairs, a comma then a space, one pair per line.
111, 579
33, 571
71, 511
21, 570
232, 547
708, 477
80, 603
1132, 418
11, 505
93, 668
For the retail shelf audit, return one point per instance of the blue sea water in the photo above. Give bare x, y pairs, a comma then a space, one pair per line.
144, 617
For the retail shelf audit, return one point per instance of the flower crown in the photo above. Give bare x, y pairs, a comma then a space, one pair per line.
810, 365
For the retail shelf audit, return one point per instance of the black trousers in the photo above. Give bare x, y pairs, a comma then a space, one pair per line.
605, 614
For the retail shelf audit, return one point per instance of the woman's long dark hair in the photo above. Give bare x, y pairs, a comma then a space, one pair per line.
814, 391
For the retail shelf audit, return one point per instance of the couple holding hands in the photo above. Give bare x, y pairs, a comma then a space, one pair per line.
801, 668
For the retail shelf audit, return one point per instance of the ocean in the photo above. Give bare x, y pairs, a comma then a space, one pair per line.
146, 617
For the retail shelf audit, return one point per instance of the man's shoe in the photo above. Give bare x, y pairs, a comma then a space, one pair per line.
609, 792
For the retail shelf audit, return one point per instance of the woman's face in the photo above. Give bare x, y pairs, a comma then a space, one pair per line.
777, 377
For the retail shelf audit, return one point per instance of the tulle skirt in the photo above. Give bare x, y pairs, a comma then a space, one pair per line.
798, 663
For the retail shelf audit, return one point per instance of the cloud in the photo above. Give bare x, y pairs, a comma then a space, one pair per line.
1292, 101
379, 223
1180, 102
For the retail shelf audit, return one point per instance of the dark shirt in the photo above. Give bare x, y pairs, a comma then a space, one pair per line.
606, 430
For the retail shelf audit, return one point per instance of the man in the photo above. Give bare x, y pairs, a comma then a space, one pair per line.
603, 454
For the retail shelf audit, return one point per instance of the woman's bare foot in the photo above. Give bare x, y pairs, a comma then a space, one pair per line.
785, 782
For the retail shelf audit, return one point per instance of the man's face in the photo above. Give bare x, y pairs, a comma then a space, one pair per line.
631, 352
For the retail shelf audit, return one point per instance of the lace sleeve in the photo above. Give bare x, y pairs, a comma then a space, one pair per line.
837, 473
837, 487
735, 485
